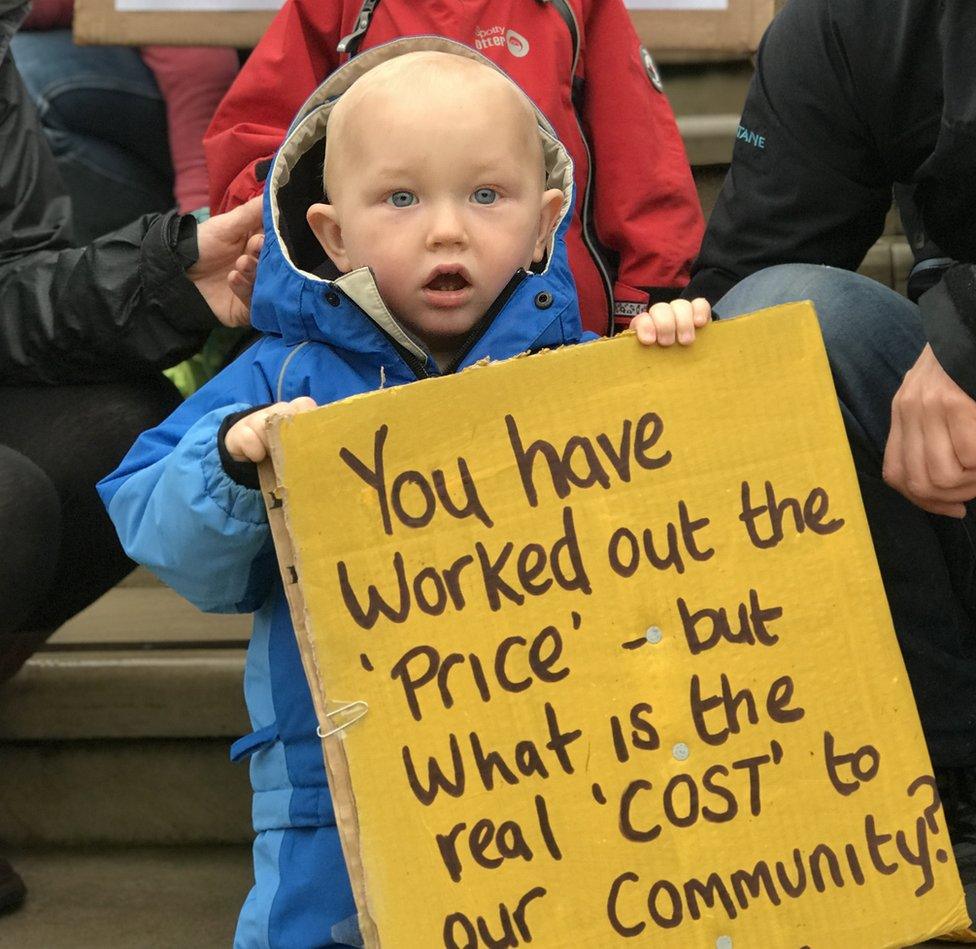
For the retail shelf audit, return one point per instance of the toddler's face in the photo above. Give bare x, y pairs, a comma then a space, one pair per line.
442, 196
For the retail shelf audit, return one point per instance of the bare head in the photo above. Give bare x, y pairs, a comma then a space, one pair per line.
435, 177
439, 80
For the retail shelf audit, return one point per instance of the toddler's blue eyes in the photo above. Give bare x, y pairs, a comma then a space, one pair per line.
405, 199
402, 199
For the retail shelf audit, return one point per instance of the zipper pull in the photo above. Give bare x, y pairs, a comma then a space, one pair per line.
359, 30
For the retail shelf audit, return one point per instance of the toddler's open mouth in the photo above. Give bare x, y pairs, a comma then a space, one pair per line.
449, 285
447, 280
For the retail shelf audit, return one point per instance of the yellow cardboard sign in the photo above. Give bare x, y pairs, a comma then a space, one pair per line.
601, 655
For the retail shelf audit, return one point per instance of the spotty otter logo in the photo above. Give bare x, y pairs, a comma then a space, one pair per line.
493, 36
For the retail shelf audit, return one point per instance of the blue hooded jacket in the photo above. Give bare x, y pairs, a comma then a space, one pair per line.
178, 512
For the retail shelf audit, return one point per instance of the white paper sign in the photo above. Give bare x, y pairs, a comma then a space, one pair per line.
677, 4
142, 6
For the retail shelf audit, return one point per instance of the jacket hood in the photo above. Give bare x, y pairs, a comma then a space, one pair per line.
298, 293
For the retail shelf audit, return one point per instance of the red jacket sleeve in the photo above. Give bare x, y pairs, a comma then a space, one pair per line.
646, 205
296, 53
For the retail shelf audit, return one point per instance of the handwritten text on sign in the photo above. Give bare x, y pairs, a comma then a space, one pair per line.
629, 669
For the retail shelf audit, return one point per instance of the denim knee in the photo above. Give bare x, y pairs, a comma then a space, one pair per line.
847, 304
872, 334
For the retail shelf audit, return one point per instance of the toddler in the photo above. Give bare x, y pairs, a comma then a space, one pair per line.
443, 228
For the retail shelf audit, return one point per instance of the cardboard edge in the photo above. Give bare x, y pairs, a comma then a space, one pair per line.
672, 35
337, 766
97, 22
951, 929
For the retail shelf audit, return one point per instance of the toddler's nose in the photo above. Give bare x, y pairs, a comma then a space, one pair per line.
446, 226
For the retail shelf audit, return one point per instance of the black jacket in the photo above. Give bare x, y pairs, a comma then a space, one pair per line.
121, 306
849, 97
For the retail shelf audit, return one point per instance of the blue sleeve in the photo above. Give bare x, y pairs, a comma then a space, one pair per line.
179, 514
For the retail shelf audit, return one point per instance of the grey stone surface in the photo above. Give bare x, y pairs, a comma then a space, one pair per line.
175, 791
126, 693
134, 898
149, 614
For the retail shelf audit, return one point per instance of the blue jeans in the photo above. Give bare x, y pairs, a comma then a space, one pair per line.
105, 120
928, 563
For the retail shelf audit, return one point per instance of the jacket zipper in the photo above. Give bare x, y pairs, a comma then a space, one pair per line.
477, 331
481, 327
588, 239
350, 44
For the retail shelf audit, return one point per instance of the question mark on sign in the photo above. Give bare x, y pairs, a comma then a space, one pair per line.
930, 810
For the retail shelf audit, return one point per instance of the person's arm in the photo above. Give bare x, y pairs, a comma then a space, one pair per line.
181, 514
295, 54
930, 455
137, 300
120, 306
646, 205
807, 183
949, 316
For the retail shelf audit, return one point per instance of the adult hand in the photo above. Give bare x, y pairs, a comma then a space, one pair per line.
229, 245
930, 456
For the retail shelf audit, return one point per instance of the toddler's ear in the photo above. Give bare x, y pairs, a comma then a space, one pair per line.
552, 202
324, 222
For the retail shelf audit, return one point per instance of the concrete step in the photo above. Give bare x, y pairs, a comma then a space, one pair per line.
130, 692
706, 88
134, 897
708, 139
176, 791
118, 731
707, 100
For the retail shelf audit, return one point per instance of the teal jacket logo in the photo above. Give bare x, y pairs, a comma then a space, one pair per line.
750, 138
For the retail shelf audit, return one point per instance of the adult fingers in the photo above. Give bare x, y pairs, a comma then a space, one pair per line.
247, 265
248, 215
961, 421
905, 467
944, 508
949, 480
238, 313
254, 245
893, 468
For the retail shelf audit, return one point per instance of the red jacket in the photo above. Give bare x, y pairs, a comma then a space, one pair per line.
634, 187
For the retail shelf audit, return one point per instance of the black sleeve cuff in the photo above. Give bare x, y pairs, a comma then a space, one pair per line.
712, 283
949, 318
168, 249
661, 294
244, 473
185, 241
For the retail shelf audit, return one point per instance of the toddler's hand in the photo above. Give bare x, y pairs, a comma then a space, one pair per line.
663, 323
247, 439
